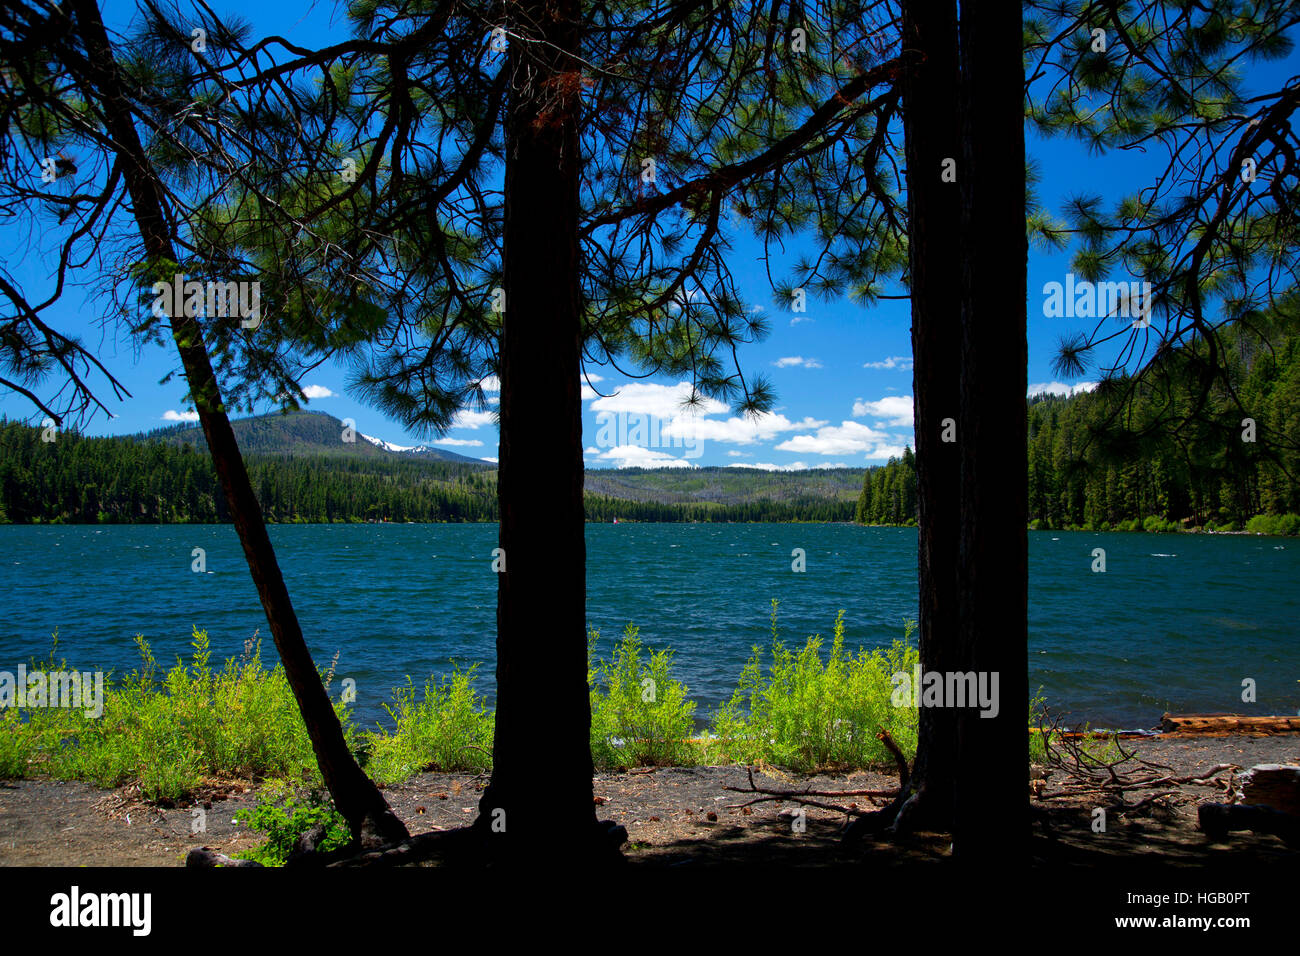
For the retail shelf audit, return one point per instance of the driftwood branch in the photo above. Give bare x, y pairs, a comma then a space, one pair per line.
1085, 772
803, 797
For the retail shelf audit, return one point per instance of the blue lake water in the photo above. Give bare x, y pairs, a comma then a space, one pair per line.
1175, 623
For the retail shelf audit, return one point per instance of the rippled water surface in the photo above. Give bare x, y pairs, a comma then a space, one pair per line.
1175, 623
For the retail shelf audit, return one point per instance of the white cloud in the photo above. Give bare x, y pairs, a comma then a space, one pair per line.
175, 416
894, 410
800, 318
635, 456
1060, 388
470, 419
318, 391
797, 361
662, 401
493, 460
459, 442
737, 454
885, 452
842, 439
744, 430
901, 362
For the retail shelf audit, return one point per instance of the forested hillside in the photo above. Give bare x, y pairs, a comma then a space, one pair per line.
1098, 462
1094, 462
161, 478
302, 433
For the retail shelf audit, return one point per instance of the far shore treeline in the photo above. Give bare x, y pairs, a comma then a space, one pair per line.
156, 479
1080, 477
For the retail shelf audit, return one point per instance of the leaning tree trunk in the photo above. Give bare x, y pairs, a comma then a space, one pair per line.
355, 796
930, 129
992, 814
541, 793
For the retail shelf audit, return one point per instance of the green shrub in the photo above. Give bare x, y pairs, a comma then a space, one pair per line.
1155, 523
15, 746
170, 734
640, 715
450, 728
1287, 524
1037, 743
805, 714
284, 814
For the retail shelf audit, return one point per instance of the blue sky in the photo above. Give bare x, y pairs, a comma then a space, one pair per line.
842, 373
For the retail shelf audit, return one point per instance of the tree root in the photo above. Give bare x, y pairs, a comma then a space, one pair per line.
880, 821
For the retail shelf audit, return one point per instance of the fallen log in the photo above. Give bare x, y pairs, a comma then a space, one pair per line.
1228, 724
1272, 785
1217, 820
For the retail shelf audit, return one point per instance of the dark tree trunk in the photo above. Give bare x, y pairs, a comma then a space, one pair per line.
354, 795
992, 817
930, 128
541, 789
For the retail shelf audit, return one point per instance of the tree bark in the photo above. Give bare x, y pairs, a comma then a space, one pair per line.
930, 129
355, 796
992, 816
541, 792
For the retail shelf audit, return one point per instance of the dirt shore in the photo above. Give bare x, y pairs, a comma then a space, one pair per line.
673, 815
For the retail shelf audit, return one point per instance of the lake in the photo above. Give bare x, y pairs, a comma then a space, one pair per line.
1175, 623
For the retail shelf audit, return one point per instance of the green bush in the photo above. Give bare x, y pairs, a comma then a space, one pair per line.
639, 714
806, 714
1287, 524
449, 729
16, 746
284, 814
1155, 523
170, 734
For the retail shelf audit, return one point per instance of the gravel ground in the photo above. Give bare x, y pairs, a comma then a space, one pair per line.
673, 815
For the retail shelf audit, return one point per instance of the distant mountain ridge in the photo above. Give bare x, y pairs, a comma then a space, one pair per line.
306, 433
304, 472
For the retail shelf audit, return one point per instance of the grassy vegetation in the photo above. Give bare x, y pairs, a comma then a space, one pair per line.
171, 731
450, 728
809, 707
807, 714
167, 731
1274, 524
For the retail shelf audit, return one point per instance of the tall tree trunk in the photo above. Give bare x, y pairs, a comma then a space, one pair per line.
930, 128
541, 789
992, 817
355, 796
